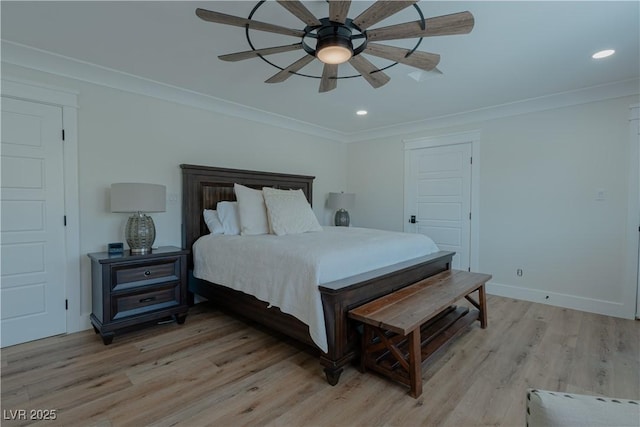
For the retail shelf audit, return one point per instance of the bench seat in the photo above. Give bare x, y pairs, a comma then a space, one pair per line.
404, 328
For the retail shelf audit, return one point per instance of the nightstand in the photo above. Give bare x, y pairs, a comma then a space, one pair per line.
129, 290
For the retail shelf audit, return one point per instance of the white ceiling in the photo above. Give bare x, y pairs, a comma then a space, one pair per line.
517, 50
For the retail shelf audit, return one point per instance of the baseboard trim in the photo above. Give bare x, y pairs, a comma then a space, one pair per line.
607, 308
82, 325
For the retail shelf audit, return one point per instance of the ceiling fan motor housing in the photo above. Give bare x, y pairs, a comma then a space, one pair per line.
334, 35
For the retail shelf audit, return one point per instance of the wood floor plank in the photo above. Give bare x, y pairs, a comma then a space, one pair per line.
161, 362
258, 398
217, 370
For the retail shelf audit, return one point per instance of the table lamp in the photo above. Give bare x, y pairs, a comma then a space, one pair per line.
140, 231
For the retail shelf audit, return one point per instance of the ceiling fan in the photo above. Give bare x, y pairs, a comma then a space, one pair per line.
337, 39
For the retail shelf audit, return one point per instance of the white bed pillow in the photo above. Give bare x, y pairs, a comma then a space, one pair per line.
253, 213
289, 212
229, 217
213, 221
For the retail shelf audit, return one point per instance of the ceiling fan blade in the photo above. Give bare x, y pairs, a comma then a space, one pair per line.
370, 72
379, 11
300, 11
288, 72
445, 25
338, 10
221, 18
423, 60
239, 56
329, 79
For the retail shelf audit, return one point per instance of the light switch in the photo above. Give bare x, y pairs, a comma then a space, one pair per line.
601, 195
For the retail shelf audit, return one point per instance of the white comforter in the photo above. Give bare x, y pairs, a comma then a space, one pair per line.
285, 271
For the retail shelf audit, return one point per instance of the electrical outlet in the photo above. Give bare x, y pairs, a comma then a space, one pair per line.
519, 272
172, 199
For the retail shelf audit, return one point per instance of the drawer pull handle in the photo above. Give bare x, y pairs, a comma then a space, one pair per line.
147, 299
147, 273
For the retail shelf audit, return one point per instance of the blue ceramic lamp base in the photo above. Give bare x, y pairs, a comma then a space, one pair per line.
342, 218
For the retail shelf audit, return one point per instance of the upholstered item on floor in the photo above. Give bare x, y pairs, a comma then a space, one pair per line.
552, 408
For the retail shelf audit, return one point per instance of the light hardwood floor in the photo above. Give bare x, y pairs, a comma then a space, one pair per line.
216, 370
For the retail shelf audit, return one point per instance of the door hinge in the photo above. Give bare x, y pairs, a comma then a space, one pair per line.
469, 215
471, 160
66, 304
65, 220
63, 134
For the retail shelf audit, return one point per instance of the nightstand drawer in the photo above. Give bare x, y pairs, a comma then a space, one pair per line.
143, 274
133, 304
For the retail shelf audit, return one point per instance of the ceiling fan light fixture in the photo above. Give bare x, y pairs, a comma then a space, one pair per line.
334, 54
334, 45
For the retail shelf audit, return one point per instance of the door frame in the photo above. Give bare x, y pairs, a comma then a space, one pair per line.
633, 209
67, 100
472, 137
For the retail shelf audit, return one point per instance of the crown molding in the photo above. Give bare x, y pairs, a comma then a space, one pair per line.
40, 60
558, 100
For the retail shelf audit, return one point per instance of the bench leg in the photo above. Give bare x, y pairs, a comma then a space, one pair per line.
367, 337
483, 307
415, 364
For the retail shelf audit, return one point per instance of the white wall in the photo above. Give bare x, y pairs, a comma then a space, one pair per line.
539, 175
125, 137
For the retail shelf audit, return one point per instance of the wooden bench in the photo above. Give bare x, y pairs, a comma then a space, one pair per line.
404, 328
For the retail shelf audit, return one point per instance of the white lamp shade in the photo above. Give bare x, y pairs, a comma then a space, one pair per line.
341, 200
135, 197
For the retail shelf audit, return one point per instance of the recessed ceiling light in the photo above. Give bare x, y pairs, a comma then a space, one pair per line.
361, 112
603, 54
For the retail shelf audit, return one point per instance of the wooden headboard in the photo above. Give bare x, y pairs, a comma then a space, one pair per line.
203, 187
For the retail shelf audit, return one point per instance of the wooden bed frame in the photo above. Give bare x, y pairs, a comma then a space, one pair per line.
203, 187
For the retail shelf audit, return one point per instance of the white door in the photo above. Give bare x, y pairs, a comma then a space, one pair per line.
32, 290
438, 194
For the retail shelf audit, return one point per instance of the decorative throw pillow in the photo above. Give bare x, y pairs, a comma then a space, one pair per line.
229, 217
289, 212
213, 221
253, 214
